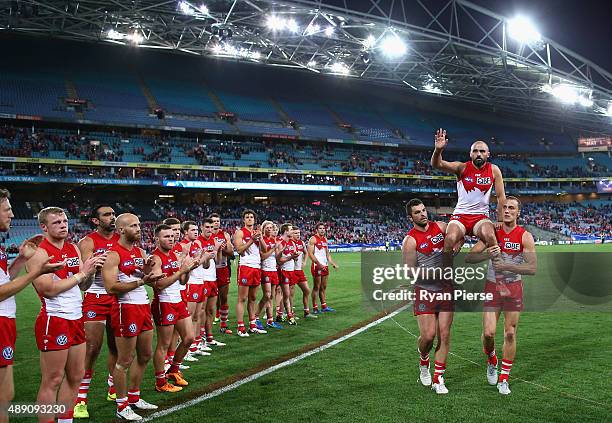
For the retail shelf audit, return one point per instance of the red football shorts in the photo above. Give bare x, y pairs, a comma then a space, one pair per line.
300, 276
196, 293
318, 270
248, 276
97, 307
184, 294
8, 335
223, 276
287, 277
469, 222
131, 319
55, 334
166, 314
506, 296
210, 289
432, 305
269, 276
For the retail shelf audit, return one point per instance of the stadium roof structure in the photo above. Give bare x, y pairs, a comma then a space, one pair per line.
450, 48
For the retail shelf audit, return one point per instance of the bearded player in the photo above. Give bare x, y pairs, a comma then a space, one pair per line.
422, 247
475, 181
97, 306
126, 271
513, 256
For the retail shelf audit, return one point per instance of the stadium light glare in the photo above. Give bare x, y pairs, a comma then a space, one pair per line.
312, 29
312, 64
275, 23
203, 9
369, 42
292, 25
565, 93
339, 68
185, 8
114, 35
523, 30
135, 37
585, 101
392, 46
609, 111
329, 31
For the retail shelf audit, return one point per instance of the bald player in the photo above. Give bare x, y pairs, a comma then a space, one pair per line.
126, 271
475, 181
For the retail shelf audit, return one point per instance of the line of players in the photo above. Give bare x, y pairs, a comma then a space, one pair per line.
189, 272
509, 248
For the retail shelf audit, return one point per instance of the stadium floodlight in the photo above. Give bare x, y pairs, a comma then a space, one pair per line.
312, 29
329, 31
585, 101
203, 9
609, 112
292, 25
392, 46
565, 93
522, 29
275, 23
369, 42
312, 64
185, 7
340, 68
135, 37
114, 35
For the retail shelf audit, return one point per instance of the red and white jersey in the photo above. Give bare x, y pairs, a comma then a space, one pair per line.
289, 248
131, 263
68, 304
301, 249
220, 235
429, 251
179, 247
250, 257
474, 188
208, 245
101, 245
169, 266
8, 307
320, 249
196, 276
269, 264
511, 245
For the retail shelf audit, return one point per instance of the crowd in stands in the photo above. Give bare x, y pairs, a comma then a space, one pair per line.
22, 142
570, 218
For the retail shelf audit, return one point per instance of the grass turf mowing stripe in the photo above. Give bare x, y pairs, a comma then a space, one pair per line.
234, 382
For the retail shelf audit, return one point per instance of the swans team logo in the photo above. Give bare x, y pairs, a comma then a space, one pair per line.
7, 353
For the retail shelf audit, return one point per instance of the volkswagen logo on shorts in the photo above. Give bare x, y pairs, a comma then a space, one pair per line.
7, 353
286, 280
205, 291
267, 278
170, 317
61, 340
244, 281
195, 296
422, 307
133, 328
91, 314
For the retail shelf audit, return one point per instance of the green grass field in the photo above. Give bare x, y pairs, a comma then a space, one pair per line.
560, 373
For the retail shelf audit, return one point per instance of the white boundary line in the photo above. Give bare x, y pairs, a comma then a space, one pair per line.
269, 370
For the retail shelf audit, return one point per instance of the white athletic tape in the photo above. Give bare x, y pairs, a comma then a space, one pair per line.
269, 370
